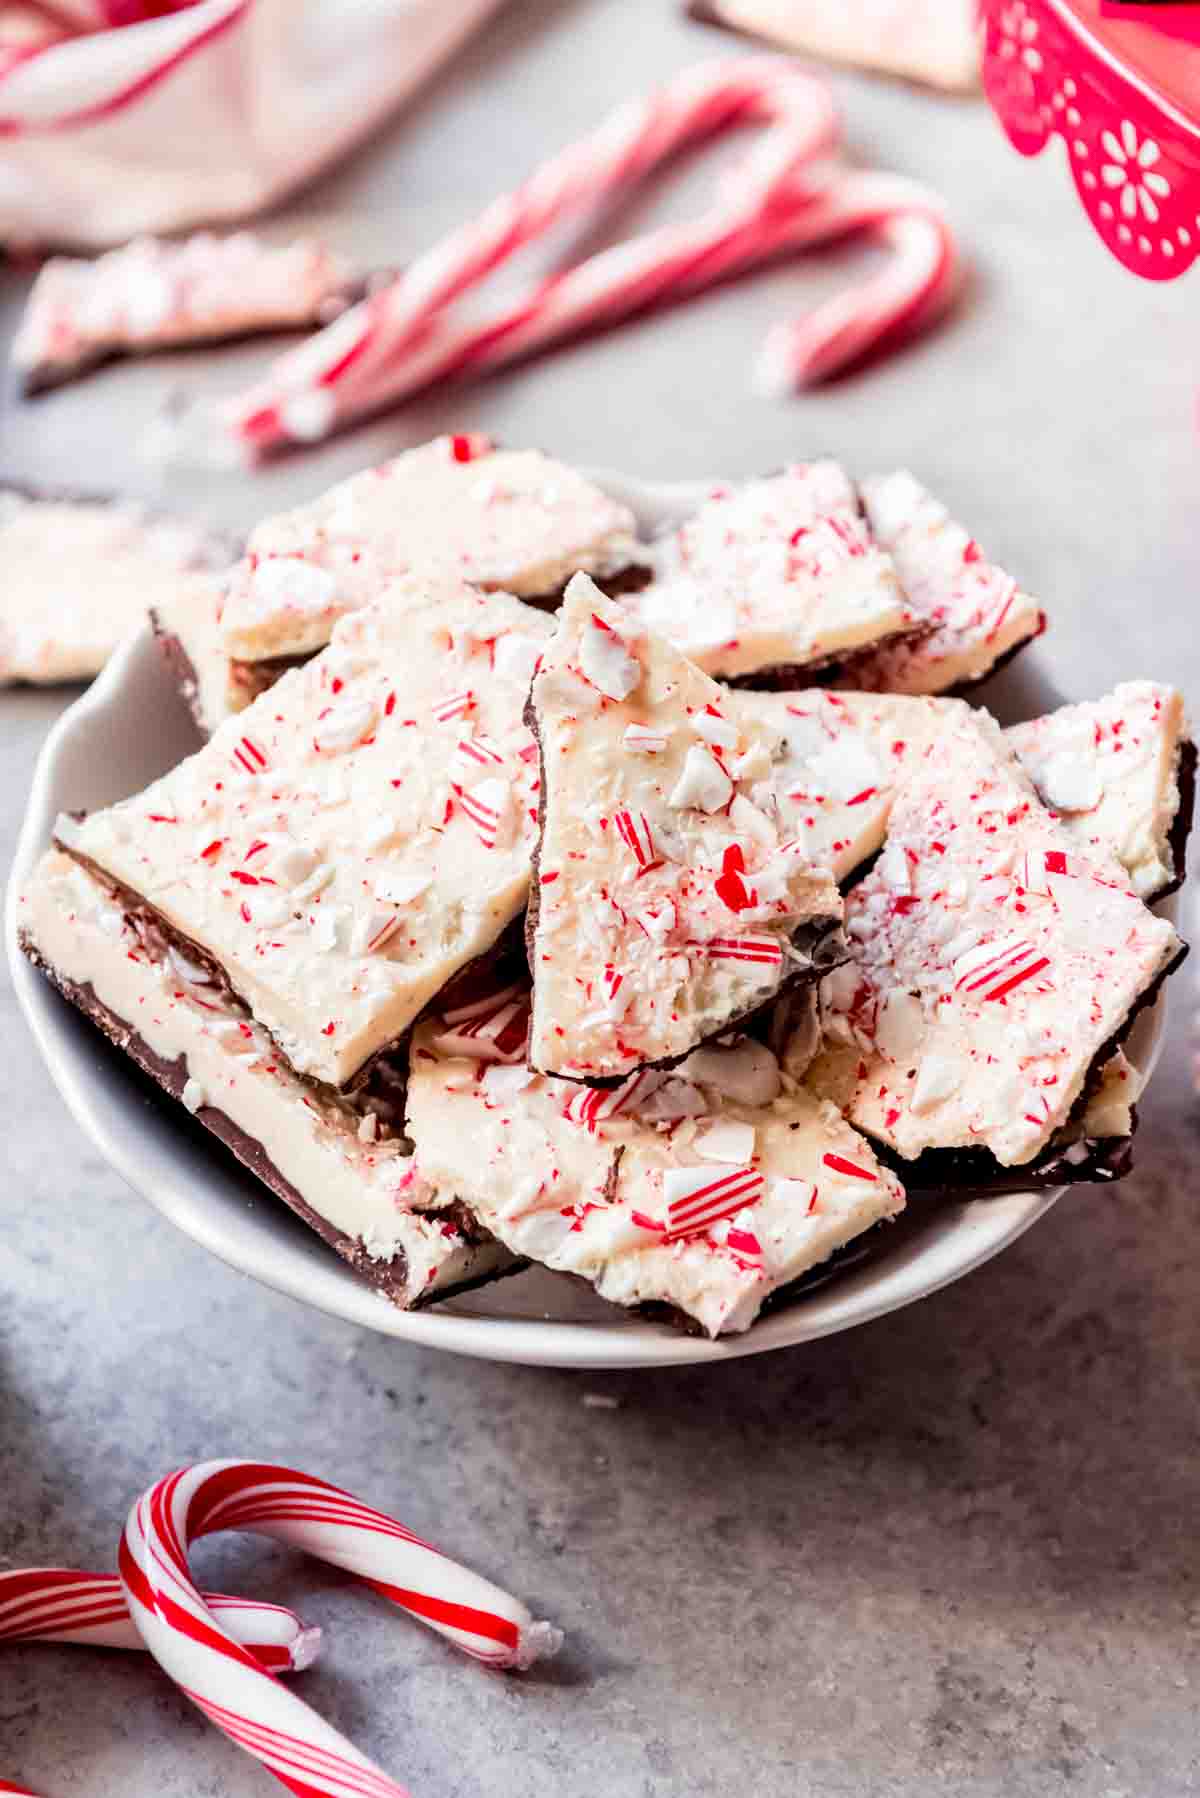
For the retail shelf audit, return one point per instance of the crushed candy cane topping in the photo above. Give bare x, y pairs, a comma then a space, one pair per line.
666, 905
991, 962
974, 613
502, 519
777, 573
335, 863
706, 1189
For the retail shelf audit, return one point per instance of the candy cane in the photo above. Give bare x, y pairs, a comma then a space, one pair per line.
6, 1785
303, 1752
61, 1604
398, 341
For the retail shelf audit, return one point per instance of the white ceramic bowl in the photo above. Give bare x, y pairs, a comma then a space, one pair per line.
129, 727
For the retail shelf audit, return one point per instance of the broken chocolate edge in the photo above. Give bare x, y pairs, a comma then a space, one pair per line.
388, 1277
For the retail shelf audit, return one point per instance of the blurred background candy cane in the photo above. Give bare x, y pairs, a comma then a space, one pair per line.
781, 198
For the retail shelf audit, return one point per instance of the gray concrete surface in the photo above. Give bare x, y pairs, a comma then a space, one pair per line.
954, 1551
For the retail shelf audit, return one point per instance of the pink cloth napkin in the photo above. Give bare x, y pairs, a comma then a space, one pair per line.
128, 116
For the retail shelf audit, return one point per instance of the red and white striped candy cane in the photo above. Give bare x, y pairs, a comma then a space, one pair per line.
400, 340
62, 1604
304, 1753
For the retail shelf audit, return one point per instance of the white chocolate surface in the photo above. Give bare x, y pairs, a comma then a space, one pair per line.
511, 519
596, 1196
978, 613
1109, 768
992, 962
666, 897
777, 573
361, 831
77, 576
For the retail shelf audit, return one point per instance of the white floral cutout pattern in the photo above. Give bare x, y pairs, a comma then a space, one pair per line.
1130, 170
1019, 36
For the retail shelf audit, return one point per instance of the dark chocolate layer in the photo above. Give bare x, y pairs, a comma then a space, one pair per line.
390, 1277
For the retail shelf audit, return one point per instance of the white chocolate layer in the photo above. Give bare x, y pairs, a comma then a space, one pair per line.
992, 962
191, 612
777, 573
666, 896
1110, 769
347, 843
77, 576
151, 294
510, 519
603, 1196
359, 1188
978, 612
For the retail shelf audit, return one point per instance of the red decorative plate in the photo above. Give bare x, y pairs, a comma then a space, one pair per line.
1124, 98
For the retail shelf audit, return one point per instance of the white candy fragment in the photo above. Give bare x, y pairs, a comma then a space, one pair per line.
604, 657
287, 581
715, 729
346, 726
516, 657
1070, 783
937, 1079
703, 784
402, 888
193, 1095
746, 1072
725, 1140
644, 741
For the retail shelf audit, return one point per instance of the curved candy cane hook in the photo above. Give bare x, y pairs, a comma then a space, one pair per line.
304, 1753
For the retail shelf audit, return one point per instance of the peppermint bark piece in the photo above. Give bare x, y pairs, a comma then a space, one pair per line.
78, 574
343, 847
1120, 773
153, 294
511, 519
702, 1192
839, 760
994, 969
666, 903
775, 576
341, 1167
977, 615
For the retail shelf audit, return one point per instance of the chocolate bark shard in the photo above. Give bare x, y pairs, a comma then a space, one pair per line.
936, 42
1110, 769
995, 967
978, 614
777, 574
327, 1160
79, 572
356, 836
153, 294
667, 904
510, 519
703, 1191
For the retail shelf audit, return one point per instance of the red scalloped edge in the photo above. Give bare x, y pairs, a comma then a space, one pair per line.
1134, 158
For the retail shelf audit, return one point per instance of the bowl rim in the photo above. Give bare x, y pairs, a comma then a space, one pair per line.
166, 1172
